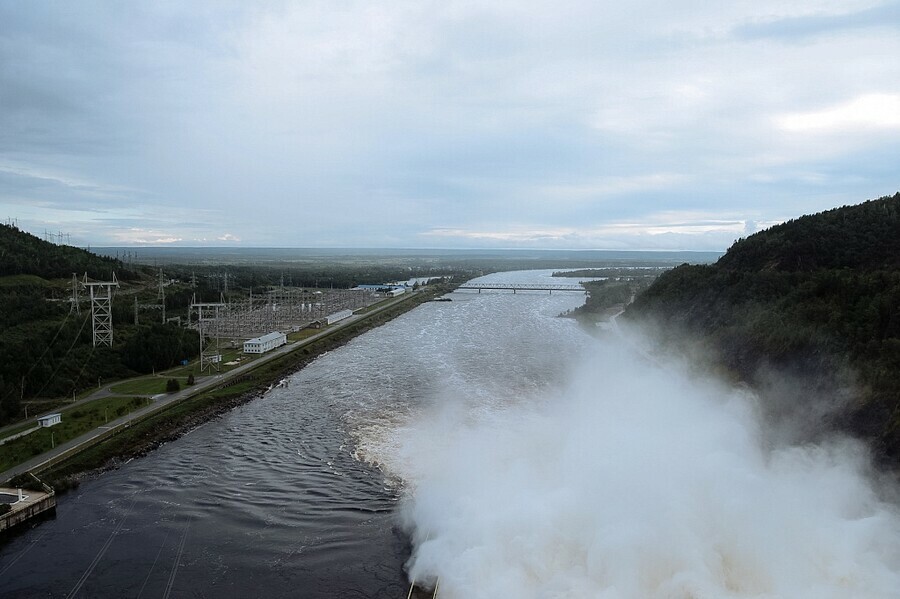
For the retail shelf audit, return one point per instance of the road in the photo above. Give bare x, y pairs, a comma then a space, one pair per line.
72, 446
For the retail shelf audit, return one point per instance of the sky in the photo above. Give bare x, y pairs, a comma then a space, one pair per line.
650, 124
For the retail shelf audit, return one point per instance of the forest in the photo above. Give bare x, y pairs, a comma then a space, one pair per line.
46, 347
815, 300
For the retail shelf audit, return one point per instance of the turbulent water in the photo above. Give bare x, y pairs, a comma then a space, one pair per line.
523, 459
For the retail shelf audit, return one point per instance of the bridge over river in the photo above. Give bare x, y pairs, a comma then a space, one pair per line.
514, 287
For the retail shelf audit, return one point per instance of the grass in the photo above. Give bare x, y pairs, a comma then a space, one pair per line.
146, 386
20, 280
30, 423
380, 303
303, 334
75, 421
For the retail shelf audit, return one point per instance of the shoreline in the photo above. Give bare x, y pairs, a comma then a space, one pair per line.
179, 418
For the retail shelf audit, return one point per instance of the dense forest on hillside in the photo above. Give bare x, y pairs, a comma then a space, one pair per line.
816, 299
22, 253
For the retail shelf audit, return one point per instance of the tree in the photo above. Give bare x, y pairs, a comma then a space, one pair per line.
172, 386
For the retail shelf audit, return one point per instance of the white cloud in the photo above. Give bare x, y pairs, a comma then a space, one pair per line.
139, 236
870, 111
662, 230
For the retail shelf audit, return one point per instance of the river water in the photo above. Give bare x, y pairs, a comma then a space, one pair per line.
290, 494
489, 448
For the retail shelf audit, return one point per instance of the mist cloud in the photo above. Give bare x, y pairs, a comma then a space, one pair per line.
636, 481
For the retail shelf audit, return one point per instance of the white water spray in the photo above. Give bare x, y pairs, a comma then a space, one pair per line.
637, 482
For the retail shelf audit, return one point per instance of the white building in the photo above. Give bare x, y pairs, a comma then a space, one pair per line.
49, 420
338, 316
396, 291
261, 345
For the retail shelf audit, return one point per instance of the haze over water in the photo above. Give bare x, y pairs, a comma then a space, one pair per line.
525, 458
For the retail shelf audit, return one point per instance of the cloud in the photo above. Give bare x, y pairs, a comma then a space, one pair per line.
794, 28
365, 125
228, 237
870, 111
145, 237
660, 231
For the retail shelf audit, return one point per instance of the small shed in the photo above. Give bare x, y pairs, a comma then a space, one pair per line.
49, 420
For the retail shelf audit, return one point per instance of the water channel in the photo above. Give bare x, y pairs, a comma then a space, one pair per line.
489, 447
284, 496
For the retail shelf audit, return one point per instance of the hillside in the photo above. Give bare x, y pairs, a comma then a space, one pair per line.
46, 349
807, 311
22, 253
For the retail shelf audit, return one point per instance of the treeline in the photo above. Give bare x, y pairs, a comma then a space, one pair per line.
22, 253
210, 280
816, 298
608, 294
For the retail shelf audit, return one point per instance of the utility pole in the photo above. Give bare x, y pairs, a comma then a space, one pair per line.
101, 310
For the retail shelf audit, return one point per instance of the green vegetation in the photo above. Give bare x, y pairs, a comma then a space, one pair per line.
145, 386
22, 253
303, 334
75, 421
609, 296
46, 349
817, 298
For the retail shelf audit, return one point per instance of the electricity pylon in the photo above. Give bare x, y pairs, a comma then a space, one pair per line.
101, 309
210, 356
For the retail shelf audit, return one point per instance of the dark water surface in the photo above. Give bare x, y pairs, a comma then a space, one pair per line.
278, 498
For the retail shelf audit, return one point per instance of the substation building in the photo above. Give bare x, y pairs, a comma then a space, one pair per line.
261, 345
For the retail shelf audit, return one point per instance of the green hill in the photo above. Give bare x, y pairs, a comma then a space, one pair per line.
22, 253
814, 301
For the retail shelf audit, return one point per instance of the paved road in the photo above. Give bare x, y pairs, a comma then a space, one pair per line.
161, 402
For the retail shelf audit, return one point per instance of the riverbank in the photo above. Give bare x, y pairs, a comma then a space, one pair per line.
159, 427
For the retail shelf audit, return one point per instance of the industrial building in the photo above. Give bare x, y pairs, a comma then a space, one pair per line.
261, 345
338, 316
49, 420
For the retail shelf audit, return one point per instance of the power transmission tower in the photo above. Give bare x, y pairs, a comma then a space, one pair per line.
101, 309
161, 296
75, 305
210, 357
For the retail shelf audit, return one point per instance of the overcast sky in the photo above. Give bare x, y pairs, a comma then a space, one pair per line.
648, 124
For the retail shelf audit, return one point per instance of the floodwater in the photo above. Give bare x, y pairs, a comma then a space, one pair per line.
283, 497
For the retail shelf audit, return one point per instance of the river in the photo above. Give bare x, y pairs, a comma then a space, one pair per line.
490, 448
283, 497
